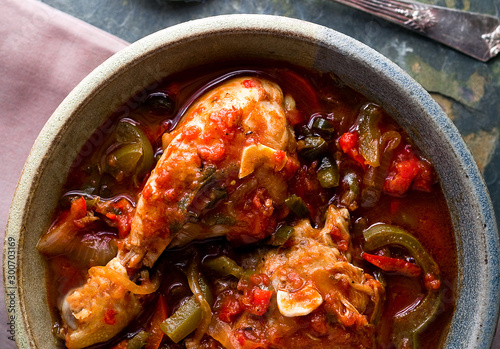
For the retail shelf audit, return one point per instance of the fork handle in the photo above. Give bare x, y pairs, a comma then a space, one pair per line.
477, 35
414, 16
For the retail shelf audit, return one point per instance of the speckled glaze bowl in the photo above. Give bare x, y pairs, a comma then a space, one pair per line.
251, 36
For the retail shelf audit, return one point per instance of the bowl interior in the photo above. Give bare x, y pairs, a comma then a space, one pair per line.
246, 37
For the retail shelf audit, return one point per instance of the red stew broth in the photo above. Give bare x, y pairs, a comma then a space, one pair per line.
424, 214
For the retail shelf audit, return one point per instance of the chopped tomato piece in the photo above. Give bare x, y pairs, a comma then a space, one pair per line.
214, 152
111, 215
78, 208
407, 171
340, 237
260, 279
191, 132
124, 223
397, 265
255, 299
230, 308
425, 177
349, 144
432, 282
225, 123
79, 214
248, 83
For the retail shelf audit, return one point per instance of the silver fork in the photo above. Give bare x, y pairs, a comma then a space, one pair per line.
475, 34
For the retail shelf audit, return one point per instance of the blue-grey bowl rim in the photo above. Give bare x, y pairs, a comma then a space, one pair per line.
479, 277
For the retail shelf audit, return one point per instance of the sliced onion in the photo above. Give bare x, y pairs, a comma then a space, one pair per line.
374, 177
57, 239
237, 196
122, 280
60, 234
274, 184
92, 249
222, 333
390, 140
194, 285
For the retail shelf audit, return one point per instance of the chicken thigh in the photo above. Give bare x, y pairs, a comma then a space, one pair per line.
319, 298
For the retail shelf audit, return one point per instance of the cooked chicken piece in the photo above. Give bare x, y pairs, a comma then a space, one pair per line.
233, 143
316, 264
230, 134
322, 300
103, 306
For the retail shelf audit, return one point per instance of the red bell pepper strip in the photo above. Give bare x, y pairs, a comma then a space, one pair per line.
154, 330
302, 84
397, 265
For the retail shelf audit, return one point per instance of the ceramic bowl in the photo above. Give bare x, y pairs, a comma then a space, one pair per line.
246, 37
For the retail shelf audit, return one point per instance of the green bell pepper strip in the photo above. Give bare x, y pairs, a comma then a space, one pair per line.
297, 205
135, 157
193, 314
125, 159
369, 134
328, 173
224, 266
281, 235
312, 147
408, 325
304, 131
138, 341
323, 126
184, 321
380, 235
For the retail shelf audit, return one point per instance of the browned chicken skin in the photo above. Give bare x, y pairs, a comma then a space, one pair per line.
232, 131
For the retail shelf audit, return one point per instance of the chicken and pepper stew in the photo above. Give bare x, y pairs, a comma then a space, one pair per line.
262, 206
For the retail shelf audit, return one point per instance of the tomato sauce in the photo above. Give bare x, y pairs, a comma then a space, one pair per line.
402, 190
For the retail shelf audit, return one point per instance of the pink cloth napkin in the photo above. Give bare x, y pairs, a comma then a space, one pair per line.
44, 53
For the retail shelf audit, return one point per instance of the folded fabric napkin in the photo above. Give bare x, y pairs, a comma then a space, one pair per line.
44, 53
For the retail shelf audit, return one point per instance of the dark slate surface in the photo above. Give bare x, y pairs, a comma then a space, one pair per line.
468, 90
